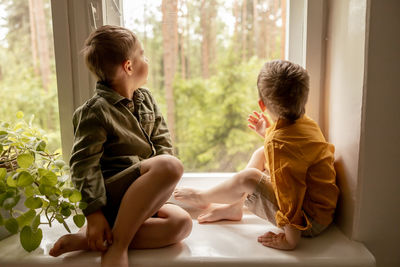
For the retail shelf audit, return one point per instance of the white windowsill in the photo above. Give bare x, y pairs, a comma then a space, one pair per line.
223, 244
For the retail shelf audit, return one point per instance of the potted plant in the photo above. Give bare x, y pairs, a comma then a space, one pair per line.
35, 188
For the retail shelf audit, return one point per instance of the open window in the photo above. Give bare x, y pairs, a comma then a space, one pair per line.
204, 60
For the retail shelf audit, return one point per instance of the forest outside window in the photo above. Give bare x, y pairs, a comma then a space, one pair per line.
27, 67
204, 60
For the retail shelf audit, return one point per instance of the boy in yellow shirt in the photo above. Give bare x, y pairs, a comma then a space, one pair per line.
291, 180
122, 159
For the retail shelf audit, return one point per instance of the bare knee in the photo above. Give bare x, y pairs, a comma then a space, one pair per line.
249, 179
169, 166
180, 226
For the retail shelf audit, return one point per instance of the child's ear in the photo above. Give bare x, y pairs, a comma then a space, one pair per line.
262, 105
128, 66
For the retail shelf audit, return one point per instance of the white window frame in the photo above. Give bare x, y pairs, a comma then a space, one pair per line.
73, 20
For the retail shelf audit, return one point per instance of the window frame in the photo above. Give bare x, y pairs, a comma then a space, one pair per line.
73, 20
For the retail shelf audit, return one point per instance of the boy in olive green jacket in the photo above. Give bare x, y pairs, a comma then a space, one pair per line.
121, 158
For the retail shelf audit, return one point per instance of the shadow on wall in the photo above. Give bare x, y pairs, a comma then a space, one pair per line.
345, 207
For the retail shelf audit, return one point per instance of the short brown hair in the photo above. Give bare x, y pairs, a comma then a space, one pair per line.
283, 87
106, 48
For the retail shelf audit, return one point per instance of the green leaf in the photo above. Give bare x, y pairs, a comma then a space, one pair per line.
66, 227
11, 180
1, 220
33, 202
75, 196
82, 205
3, 134
36, 222
40, 146
47, 177
25, 160
3, 173
1, 148
59, 218
67, 192
11, 225
30, 239
46, 189
29, 191
66, 212
10, 202
79, 220
3, 187
5, 195
24, 179
26, 218
20, 114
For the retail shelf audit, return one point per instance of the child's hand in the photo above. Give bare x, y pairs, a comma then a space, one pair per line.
98, 231
273, 240
258, 123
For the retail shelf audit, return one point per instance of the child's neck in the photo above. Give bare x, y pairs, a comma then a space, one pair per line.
125, 89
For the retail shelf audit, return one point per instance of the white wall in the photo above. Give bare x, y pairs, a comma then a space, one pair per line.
378, 224
362, 119
343, 97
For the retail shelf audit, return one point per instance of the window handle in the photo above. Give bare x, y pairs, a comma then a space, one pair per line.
93, 9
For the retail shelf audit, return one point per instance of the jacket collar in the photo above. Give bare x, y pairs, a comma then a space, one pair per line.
113, 97
109, 94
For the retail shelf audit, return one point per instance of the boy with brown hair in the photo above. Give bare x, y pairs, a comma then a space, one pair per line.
291, 180
121, 158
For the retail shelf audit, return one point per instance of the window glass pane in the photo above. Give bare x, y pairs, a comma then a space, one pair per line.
27, 67
204, 60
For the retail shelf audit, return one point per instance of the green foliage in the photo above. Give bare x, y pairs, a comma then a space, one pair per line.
28, 171
20, 81
212, 133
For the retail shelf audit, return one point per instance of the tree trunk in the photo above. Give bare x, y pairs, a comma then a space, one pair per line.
33, 37
236, 30
170, 45
42, 42
255, 28
205, 40
283, 30
182, 42
244, 30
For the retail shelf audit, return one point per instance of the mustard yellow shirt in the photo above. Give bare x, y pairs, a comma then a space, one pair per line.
300, 162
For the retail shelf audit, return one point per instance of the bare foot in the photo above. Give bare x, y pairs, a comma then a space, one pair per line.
114, 257
192, 197
68, 243
232, 212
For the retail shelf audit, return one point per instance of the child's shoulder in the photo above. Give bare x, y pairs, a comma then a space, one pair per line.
93, 105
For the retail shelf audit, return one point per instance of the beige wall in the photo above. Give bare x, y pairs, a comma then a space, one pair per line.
378, 224
362, 119
343, 97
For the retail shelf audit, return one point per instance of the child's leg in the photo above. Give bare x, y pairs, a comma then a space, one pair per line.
228, 192
142, 199
233, 192
70, 242
172, 225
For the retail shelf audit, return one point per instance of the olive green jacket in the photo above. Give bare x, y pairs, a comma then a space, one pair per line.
111, 134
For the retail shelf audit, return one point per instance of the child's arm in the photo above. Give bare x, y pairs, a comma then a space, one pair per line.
89, 137
285, 241
259, 123
160, 135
